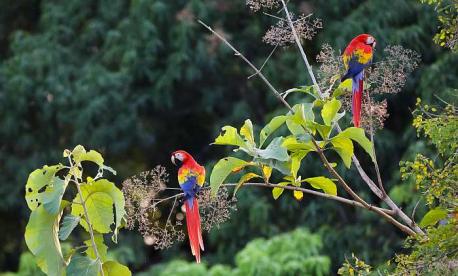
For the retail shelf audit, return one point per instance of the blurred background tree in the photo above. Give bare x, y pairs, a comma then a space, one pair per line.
139, 79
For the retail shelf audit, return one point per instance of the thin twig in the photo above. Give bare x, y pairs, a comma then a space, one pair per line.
265, 62
301, 50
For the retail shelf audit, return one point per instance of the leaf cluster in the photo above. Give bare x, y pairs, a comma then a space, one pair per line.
97, 207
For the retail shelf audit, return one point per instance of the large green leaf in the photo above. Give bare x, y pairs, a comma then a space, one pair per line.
229, 136
112, 268
274, 150
329, 111
222, 169
99, 197
69, 222
83, 266
43, 187
323, 183
433, 216
42, 240
273, 125
357, 135
344, 147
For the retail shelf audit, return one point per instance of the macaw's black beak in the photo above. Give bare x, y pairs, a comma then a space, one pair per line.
173, 160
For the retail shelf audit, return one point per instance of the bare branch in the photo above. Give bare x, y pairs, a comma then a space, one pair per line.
301, 50
265, 62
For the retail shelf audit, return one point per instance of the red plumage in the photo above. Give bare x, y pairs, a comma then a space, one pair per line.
356, 57
193, 227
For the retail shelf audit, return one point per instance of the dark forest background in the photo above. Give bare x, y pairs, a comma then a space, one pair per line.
139, 79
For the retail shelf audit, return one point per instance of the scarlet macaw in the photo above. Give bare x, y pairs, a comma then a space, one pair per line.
191, 177
356, 57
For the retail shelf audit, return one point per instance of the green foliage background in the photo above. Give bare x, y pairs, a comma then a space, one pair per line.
138, 79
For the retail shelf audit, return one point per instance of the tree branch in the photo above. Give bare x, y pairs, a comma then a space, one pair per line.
312, 192
301, 50
361, 171
328, 166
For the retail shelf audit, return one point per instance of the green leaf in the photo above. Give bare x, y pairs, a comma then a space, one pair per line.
329, 111
43, 187
110, 169
101, 248
247, 131
229, 136
245, 178
80, 154
221, 171
433, 216
69, 223
100, 197
274, 151
343, 88
323, 183
344, 147
296, 159
295, 128
82, 266
292, 144
323, 130
273, 125
357, 135
277, 191
113, 268
41, 239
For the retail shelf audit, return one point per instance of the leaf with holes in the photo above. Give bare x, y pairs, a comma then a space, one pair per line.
229, 136
43, 187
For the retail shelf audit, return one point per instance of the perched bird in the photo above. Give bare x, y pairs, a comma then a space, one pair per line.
356, 57
191, 177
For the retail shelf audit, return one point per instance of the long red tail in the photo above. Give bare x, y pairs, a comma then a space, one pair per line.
193, 225
357, 89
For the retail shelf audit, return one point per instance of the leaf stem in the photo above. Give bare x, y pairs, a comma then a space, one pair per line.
86, 215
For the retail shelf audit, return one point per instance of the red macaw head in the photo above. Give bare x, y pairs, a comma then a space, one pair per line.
366, 39
180, 157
